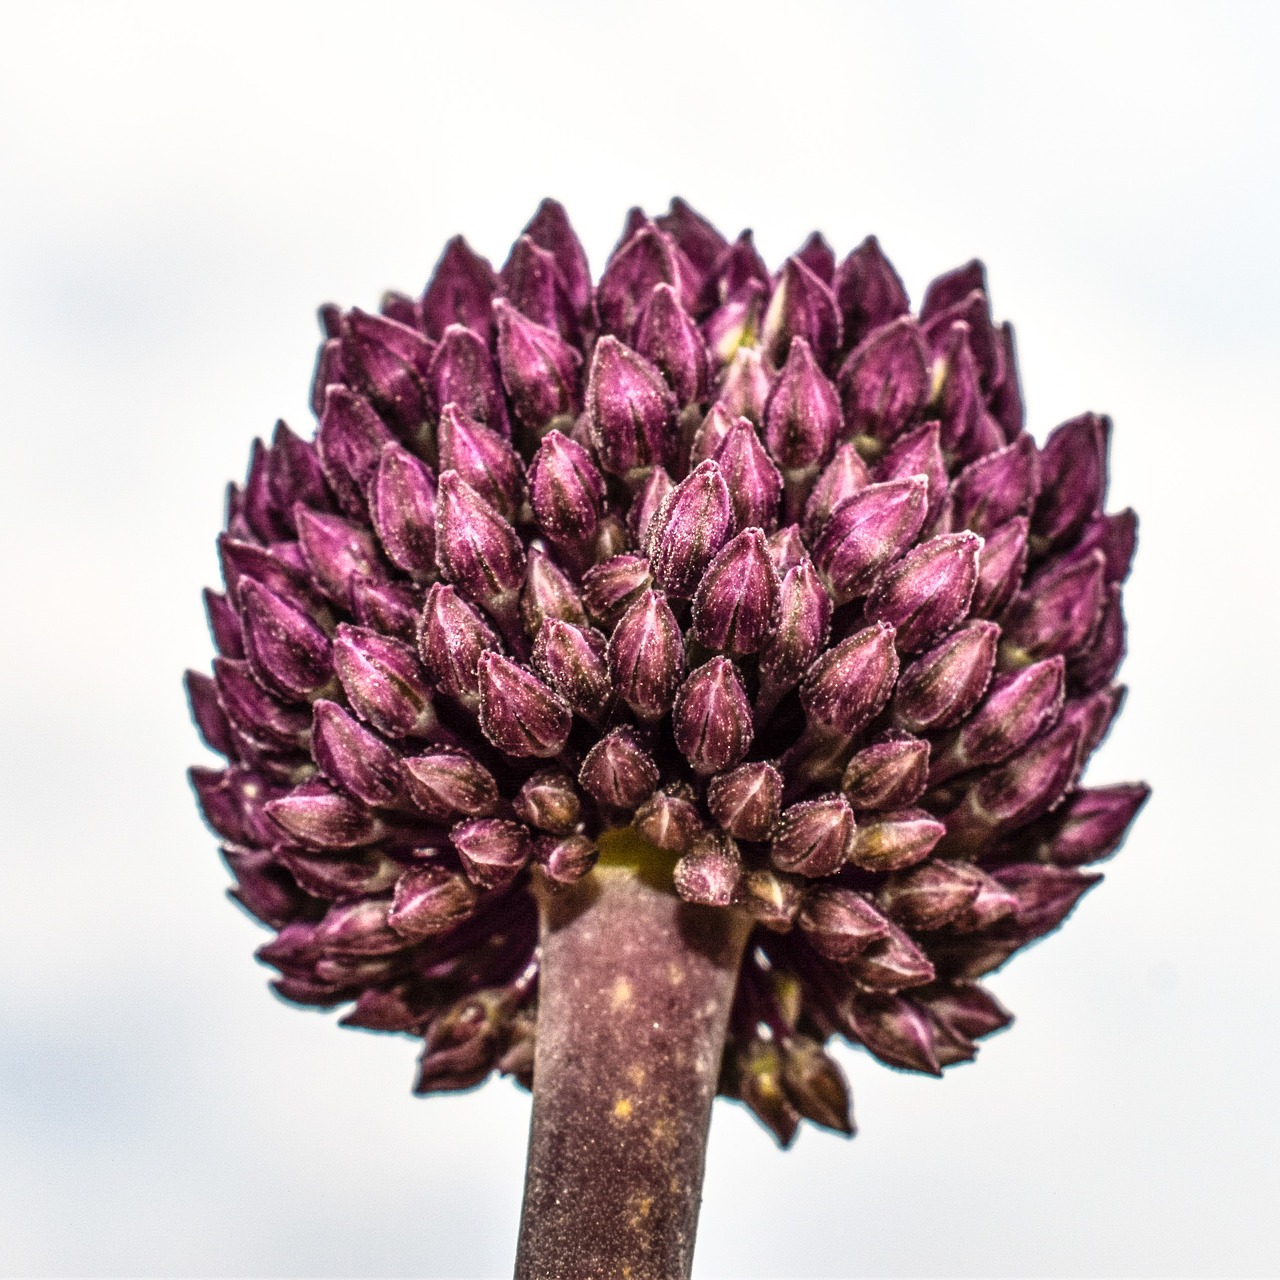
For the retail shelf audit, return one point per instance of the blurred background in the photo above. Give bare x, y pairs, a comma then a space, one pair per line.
180, 185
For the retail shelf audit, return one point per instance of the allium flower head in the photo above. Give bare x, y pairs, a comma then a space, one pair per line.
759, 564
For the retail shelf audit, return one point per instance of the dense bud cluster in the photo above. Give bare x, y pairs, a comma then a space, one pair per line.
759, 563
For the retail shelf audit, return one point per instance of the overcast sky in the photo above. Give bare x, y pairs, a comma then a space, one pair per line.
180, 185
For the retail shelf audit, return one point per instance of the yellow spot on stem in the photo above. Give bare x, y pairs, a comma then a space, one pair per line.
622, 1108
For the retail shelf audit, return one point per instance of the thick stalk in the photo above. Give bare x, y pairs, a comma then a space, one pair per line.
633, 1002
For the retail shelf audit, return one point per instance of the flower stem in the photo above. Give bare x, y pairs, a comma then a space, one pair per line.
633, 1002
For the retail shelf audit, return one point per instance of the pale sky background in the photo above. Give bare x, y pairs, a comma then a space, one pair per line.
180, 185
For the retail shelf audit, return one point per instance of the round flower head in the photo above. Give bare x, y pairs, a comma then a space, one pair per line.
761, 566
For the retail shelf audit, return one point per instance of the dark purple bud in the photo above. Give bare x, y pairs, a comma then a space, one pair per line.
694, 522
540, 370
951, 287
462, 373
787, 549
771, 898
885, 382
349, 441
803, 307
868, 533
890, 774
329, 371
757, 1081
358, 928
565, 859
287, 651
841, 924
1094, 714
670, 341
1006, 396
819, 257
610, 588
358, 875
928, 591
493, 850
738, 267
845, 475
930, 895
475, 547
383, 682
224, 624
974, 312
755, 487
997, 487
1045, 895
322, 818
444, 784
631, 410
816, 1085
967, 1011
206, 711
532, 282
573, 661
895, 1030
802, 416
354, 759
253, 711
804, 618
646, 657
968, 430
1104, 652
388, 1009
891, 964
644, 261
1001, 564
696, 238
548, 593
280, 576
850, 683
460, 291
388, 363
1073, 469
1057, 612
518, 713
263, 887
462, 1043
745, 385
735, 608
712, 718
649, 497
401, 308
992, 905
402, 504
551, 230
548, 801
429, 900
747, 801
1116, 536
868, 291
710, 434
566, 489
896, 839
670, 820
295, 474
389, 607
618, 771
1090, 824
336, 551
942, 687
450, 641
260, 509
710, 872
919, 453
482, 458
814, 838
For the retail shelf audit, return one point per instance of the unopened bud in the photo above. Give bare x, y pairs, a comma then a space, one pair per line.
804, 619
850, 684
493, 850
735, 609
929, 590
841, 924
566, 859
388, 362
885, 381
649, 497
816, 1085
944, 685
1073, 468
358, 928
1057, 612
868, 291
460, 290
482, 458
670, 820
548, 801
891, 964
430, 899
842, 477
354, 759
349, 442
1001, 564
997, 487
711, 720
746, 801
402, 506
646, 657
288, 652
540, 370
755, 486
710, 872
694, 522
644, 261
895, 1030
566, 490
611, 587
383, 682
1045, 895
669, 340
518, 713
802, 307
631, 409
895, 839
451, 639
889, 774
802, 417
574, 662
475, 547
930, 895
548, 593
551, 230
870, 531
445, 784
618, 771
1089, 825
919, 453
744, 387
815, 837
533, 283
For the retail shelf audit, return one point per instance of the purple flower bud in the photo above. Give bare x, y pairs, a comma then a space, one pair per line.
548, 801
462, 373
361, 873
402, 505
233, 802
1094, 714
868, 533
755, 486
354, 759
819, 257
896, 1030
1001, 563
533, 283
951, 287
389, 607
388, 362
942, 687
329, 372
735, 608
475, 547
1018, 707
254, 712
693, 523
845, 475
288, 653
1090, 824
1045, 895
322, 818
548, 593
649, 497
610, 588
747, 801
802, 307
816, 1085
771, 898
295, 474
224, 624
518, 713
383, 682
493, 850
1116, 536
572, 659
814, 838
244, 560
995, 488
736, 325
1104, 651
885, 381
202, 694
757, 1080
896, 839
618, 771
460, 290
670, 820
401, 308
631, 410
712, 718
850, 684
336, 551
841, 924
1073, 467
891, 963
481, 458
670, 341
710, 872
450, 641
263, 887
644, 261
697, 239
787, 549
992, 905
889, 774
710, 434
738, 267
919, 453
540, 370
802, 416
429, 900
566, 490
928, 591
462, 1044
444, 784
551, 230
358, 928
1058, 611
744, 387
349, 441
868, 291
566, 859
931, 895
968, 429
804, 619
